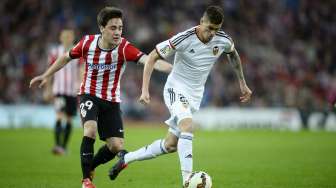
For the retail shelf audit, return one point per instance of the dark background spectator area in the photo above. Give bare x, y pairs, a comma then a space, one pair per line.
286, 46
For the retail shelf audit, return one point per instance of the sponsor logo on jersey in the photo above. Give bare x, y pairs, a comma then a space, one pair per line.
112, 66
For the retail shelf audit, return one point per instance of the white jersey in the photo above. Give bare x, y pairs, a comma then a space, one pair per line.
193, 61
66, 80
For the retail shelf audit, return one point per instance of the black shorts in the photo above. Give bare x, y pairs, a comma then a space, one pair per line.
66, 104
106, 114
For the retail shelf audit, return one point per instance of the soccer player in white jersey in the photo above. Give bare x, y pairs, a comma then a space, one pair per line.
196, 50
105, 56
63, 89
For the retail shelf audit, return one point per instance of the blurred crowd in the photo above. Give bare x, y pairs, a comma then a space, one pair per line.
286, 47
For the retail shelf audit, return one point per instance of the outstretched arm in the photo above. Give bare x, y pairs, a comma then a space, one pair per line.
234, 60
47, 92
149, 66
160, 65
57, 65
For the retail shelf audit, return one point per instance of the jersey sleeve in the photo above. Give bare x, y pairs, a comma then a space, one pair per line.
175, 43
77, 50
165, 49
229, 46
132, 53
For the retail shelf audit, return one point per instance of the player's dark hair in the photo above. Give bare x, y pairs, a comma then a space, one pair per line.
215, 14
108, 13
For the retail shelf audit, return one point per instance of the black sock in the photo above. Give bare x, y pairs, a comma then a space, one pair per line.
58, 131
67, 132
86, 154
103, 156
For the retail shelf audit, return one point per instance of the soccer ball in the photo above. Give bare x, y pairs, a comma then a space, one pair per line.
198, 179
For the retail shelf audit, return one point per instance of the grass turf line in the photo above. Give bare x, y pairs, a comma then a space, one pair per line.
234, 159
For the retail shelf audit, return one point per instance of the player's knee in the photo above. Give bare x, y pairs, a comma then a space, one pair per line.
170, 142
68, 119
170, 147
115, 144
90, 129
185, 125
113, 147
90, 133
59, 115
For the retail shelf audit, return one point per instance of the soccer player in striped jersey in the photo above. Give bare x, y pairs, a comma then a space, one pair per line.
196, 50
63, 88
105, 56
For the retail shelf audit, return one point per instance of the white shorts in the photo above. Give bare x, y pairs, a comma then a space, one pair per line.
179, 108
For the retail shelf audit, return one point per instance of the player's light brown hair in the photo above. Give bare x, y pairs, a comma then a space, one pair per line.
108, 13
215, 14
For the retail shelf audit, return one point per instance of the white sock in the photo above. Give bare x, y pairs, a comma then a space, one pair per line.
148, 152
184, 149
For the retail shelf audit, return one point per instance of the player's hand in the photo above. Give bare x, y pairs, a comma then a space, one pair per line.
246, 93
38, 79
144, 98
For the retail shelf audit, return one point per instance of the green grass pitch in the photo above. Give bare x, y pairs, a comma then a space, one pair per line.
234, 159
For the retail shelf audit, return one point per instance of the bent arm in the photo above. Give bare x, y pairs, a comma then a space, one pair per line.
57, 65
47, 92
234, 60
160, 65
148, 69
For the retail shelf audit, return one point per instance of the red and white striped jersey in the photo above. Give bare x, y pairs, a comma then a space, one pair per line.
103, 68
66, 80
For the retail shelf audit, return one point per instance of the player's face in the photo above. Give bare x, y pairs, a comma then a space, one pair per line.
67, 37
112, 31
208, 29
